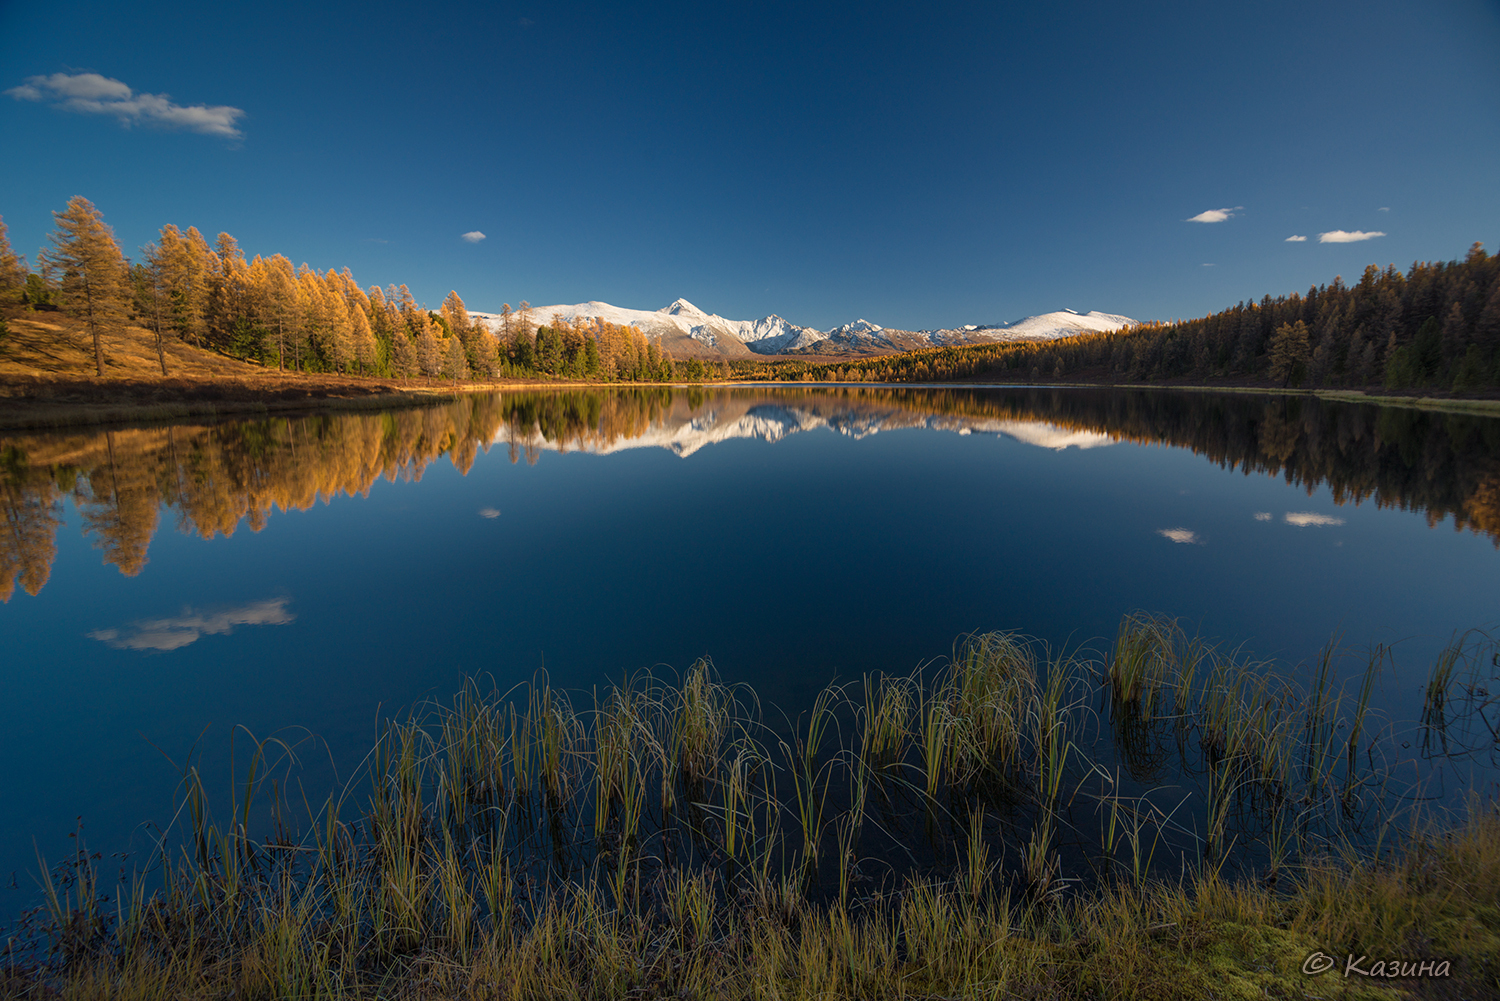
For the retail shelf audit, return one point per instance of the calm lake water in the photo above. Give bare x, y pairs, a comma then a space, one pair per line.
166, 585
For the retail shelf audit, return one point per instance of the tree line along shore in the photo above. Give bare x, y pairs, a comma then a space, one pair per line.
1434, 329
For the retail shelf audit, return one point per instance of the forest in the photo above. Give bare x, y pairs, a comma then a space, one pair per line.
1434, 328
267, 311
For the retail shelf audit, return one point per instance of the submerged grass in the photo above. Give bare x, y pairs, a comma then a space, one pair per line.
911, 837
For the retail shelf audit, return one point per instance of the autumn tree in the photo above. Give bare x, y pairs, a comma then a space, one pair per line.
13, 270
187, 262
455, 361
151, 297
404, 362
282, 302
429, 350
88, 269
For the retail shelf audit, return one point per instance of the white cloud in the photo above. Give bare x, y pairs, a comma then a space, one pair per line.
1303, 519
474, 236
1383, 208
489, 512
92, 94
1216, 215
1296, 239
1339, 236
1182, 535
1263, 516
172, 634
1208, 265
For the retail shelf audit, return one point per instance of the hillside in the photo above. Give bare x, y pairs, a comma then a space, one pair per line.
47, 378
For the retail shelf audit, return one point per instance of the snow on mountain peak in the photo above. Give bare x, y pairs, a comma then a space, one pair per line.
681, 307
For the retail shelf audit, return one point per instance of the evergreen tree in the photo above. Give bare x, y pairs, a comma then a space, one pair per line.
1289, 352
86, 264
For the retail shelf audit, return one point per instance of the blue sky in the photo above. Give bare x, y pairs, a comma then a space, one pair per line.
917, 165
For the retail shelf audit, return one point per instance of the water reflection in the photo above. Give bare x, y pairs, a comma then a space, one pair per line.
216, 477
177, 632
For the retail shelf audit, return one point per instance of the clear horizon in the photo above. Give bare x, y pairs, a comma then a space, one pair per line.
957, 165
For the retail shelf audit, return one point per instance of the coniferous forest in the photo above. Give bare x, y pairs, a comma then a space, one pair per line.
1435, 327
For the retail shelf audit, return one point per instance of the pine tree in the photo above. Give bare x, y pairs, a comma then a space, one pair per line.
86, 264
1289, 352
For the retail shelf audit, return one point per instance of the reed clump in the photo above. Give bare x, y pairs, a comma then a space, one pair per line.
975, 829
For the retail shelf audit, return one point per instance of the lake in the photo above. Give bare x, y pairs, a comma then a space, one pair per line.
165, 585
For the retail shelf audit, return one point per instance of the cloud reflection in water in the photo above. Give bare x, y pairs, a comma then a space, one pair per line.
175, 633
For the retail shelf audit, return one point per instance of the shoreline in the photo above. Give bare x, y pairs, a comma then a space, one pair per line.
647, 845
65, 403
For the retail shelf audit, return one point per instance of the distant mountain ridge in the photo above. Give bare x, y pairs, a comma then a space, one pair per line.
687, 331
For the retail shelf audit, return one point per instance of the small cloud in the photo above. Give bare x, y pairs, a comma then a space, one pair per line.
1263, 516
1340, 236
93, 94
1303, 519
1383, 208
1296, 239
173, 634
526, 22
473, 236
1181, 535
1208, 265
489, 512
375, 239
1216, 215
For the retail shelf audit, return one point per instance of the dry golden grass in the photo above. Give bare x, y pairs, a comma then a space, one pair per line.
47, 379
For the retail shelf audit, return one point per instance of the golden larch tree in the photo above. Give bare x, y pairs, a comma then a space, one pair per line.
86, 265
13, 270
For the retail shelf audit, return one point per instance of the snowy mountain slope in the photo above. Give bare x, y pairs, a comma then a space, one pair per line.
687, 331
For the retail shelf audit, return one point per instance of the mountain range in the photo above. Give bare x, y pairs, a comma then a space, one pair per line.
687, 331
684, 426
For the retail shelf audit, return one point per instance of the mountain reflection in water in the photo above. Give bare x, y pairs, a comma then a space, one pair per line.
218, 476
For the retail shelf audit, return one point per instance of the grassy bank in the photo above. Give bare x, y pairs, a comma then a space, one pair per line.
955, 833
47, 381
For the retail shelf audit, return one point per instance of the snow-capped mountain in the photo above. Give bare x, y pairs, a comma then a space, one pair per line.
687, 331
684, 428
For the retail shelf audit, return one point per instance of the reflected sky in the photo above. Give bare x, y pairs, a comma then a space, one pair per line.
793, 537
177, 632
